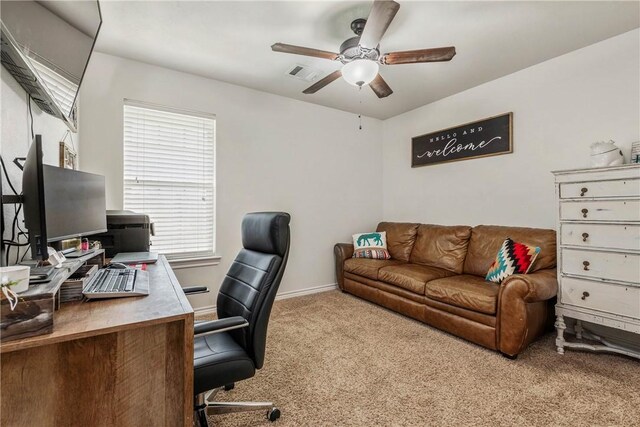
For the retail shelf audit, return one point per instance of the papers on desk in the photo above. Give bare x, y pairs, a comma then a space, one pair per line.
71, 289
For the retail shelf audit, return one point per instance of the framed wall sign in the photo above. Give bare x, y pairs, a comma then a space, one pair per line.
68, 157
483, 138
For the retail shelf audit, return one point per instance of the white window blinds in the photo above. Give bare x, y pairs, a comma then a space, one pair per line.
169, 174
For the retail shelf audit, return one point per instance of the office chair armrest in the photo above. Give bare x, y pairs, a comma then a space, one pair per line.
220, 325
192, 290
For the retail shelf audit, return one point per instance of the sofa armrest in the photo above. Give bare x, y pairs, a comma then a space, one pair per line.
341, 252
525, 304
535, 287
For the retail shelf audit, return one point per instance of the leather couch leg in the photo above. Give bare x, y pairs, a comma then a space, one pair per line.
510, 357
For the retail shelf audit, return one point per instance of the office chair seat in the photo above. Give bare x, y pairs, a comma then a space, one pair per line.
219, 360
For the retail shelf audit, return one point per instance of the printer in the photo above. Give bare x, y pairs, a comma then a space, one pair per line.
127, 231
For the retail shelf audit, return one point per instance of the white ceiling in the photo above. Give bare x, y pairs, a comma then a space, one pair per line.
83, 16
230, 41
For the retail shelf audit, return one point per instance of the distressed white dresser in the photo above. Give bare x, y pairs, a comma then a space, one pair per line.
599, 258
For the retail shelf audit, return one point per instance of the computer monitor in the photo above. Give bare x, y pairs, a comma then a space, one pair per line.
59, 203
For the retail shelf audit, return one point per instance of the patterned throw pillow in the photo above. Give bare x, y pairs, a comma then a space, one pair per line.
512, 258
371, 245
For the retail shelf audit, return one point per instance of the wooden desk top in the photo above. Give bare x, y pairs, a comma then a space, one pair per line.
166, 302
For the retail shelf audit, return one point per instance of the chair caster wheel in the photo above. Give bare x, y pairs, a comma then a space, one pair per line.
229, 387
273, 414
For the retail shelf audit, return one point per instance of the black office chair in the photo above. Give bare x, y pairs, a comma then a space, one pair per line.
231, 348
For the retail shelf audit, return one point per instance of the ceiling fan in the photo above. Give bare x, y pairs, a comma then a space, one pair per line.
360, 55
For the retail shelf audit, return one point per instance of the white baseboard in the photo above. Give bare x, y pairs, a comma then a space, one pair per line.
211, 309
307, 291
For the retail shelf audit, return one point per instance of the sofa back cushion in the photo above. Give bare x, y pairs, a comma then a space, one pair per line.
441, 246
486, 240
400, 238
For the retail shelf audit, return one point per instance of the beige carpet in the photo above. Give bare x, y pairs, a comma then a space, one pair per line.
335, 360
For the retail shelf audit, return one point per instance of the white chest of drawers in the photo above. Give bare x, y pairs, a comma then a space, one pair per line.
599, 256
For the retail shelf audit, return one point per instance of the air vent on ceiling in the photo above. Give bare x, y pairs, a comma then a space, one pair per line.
303, 72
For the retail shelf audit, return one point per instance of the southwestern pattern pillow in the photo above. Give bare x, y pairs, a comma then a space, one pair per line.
512, 258
371, 245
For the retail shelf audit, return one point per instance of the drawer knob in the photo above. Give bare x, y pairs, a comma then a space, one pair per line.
583, 191
585, 294
585, 236
584, 211
586, 265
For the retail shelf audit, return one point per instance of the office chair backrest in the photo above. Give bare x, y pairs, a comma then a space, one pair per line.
251, 284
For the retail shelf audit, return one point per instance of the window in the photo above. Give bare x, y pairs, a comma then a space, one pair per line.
169, 174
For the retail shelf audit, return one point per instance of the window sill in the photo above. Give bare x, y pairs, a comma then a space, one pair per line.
178, 263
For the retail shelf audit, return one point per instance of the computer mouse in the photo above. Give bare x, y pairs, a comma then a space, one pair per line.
117, 265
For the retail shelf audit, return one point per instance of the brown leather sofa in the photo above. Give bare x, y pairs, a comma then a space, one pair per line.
436, 275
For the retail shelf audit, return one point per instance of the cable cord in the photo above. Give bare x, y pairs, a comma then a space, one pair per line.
14, 240
6, 174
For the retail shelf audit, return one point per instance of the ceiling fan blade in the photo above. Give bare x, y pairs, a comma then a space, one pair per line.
438, 54
381, 15
323, 82
380, 87
299, 50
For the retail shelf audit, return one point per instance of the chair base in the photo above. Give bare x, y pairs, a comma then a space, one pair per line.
204, 407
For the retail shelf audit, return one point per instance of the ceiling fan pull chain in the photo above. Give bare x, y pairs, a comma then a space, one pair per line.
360, 115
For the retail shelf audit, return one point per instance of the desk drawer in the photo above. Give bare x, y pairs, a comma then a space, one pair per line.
607, 297
614, 236
606, 210
619, 188
601, 265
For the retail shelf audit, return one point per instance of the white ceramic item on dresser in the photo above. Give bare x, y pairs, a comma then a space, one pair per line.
606, 154
599, 257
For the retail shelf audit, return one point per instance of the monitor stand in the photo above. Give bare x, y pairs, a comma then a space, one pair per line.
79, 253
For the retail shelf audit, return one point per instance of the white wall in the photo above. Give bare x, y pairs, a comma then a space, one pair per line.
16, 133
273, 153
559, 108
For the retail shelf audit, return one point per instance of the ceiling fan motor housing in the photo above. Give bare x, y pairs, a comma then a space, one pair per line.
350, 49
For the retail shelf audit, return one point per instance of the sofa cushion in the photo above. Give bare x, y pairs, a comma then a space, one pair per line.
367, 267
411, 277
400, 238
441, 246
466, 291
486, 240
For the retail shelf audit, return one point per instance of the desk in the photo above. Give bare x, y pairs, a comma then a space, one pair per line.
117, 362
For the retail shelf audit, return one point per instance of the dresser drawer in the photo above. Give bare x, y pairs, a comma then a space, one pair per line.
601, 265
615, 299
605, 210
618, 188
613, 236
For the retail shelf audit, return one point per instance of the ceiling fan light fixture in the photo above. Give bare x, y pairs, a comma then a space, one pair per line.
360, 72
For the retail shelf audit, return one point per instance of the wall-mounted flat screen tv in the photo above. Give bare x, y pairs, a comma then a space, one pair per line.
46, 46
